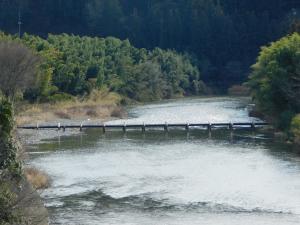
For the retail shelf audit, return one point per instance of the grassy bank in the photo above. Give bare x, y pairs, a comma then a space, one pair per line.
99, 106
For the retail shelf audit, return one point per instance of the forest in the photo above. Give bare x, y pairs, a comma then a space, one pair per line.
69, 65
222, 36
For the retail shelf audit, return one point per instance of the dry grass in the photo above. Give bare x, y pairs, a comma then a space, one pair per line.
92, 113
32, 118
99, 104
62, 114
38, 179
239, 90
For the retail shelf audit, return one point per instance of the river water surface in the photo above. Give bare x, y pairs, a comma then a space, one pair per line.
176, 178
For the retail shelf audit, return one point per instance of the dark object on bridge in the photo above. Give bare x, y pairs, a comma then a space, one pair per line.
166, 127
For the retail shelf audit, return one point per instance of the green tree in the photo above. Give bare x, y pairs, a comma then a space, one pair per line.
275, 80
147, 82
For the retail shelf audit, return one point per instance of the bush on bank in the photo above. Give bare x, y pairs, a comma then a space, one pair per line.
275, 82
295, 128
8, 148
7, 198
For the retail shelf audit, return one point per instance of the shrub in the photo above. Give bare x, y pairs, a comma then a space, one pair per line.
8, 147
61, 97
6, 118
38, 179
7, 200
117, 112
295, 127
284, 120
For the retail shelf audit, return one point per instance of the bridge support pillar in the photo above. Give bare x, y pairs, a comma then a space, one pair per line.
253, 126
124, 128
166, 127
187, 127
209, 127
144, 128
104, 129
231, 127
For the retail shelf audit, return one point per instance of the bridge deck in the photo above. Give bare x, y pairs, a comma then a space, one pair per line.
165, 126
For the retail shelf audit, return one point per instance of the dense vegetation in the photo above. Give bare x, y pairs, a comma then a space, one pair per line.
223, 35
275, 82
19, 67
75, 65
10, 168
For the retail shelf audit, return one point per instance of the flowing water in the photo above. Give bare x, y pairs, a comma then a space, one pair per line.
171, 178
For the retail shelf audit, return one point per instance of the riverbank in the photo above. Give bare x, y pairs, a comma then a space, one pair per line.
290, 135
99, 107
23, 203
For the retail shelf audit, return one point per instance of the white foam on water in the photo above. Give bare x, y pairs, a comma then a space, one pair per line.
182, 174
202, 110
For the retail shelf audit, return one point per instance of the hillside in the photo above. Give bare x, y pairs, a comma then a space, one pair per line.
224, 35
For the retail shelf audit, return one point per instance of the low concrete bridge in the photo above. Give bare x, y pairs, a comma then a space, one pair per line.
143, 127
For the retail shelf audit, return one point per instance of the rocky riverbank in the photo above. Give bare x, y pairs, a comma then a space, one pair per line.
24, 206
20, 203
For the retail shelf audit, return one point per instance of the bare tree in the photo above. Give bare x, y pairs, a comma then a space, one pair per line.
18, 68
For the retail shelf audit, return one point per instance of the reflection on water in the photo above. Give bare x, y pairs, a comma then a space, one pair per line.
174, 178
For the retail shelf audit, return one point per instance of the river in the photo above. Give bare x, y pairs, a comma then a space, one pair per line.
171, 178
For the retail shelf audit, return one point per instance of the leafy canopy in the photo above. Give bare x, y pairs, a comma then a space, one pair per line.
275, 80
76, 65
